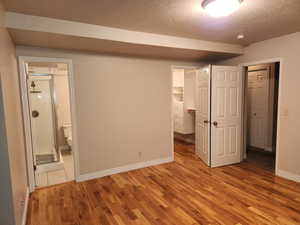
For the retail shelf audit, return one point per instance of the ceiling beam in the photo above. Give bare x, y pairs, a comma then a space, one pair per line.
63, 27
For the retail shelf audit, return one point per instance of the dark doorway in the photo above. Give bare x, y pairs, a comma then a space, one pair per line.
262, 84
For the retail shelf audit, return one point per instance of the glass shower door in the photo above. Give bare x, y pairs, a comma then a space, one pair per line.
42, 119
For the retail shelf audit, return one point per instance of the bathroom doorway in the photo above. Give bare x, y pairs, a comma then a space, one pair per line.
183, 100
48, 121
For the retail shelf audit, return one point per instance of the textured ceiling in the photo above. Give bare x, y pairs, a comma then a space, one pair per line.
257, 19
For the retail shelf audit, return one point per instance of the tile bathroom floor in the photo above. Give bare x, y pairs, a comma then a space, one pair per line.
58, 176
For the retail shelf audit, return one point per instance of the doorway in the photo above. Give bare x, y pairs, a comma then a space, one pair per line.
261, 111
48, 121
225, 105
183, 103
214, 116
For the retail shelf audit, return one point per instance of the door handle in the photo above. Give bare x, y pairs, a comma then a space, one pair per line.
35, 113
215, 123
205, 121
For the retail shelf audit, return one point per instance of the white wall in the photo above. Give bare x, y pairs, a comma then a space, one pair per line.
13, 167
123, 107
62, 105
6, 196
288, 48
190, 89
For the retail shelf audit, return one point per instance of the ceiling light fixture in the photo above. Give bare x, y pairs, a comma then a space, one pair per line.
219, 8
240, 36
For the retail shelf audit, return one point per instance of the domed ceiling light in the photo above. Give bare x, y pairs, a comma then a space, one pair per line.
219, 8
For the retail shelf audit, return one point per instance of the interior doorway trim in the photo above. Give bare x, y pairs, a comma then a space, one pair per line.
271, 60
26, 115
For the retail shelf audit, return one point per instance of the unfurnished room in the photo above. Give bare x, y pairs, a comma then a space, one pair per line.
149, 112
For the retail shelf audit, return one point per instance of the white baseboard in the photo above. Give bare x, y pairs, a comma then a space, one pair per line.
26, 201
121, 169
288, 175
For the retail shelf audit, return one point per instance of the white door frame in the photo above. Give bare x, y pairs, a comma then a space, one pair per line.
171, 102
272, 60
26, 114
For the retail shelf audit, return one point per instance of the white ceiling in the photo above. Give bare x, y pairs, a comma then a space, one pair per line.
257, 19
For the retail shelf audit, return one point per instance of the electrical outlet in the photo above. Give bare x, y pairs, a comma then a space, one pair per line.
140, 154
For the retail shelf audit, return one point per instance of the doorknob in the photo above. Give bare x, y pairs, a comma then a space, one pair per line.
215, 123
205, 121
35, 113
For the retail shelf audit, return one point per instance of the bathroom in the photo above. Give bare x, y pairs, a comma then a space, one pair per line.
50, 122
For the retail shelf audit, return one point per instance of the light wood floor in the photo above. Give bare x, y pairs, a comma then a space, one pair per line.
183, 192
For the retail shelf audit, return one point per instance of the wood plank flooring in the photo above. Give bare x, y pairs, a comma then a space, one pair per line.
183, 192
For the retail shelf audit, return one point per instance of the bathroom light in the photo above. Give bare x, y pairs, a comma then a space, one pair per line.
219, 8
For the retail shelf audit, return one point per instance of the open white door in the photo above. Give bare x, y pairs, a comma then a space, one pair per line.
226, 115
203, 114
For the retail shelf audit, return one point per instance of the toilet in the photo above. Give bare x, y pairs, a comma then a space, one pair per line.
67, 128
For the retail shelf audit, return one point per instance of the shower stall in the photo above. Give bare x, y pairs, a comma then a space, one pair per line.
42, 118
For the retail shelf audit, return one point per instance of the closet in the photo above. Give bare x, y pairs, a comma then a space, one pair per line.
260, 107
